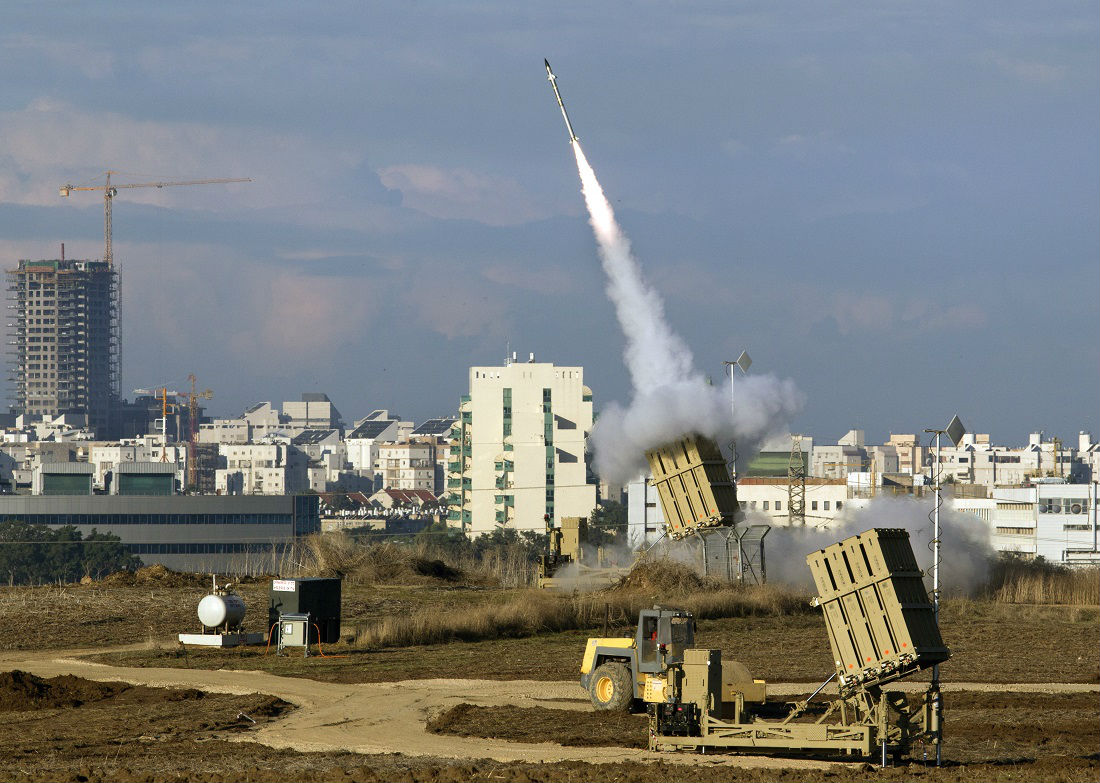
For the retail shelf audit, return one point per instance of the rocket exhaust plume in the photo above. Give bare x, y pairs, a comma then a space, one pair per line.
671, 398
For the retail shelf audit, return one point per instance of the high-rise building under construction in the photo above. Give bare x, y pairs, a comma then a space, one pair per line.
63, 329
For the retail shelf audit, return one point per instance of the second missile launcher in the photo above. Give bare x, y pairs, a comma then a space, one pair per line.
694, 485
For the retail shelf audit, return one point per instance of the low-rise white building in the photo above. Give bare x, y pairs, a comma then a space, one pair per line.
824, 501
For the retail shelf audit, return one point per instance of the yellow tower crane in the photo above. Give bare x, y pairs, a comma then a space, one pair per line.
192, 444
111, 190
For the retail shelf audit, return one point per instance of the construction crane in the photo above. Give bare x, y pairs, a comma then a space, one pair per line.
191, 400
162, 394
111, 190
192, 444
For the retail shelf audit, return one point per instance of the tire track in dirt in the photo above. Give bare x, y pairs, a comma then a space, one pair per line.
382, 718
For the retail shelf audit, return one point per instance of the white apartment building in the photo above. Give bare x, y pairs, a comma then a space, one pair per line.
409, 465
256, 423
261, 469
314, 411
977, 461
1055, 521
836, 462
363, 442
519, 452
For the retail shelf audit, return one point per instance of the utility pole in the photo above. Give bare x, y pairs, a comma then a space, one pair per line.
796, 484
955, 430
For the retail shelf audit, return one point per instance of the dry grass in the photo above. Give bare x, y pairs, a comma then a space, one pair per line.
533, 612
1016, 581
338, 554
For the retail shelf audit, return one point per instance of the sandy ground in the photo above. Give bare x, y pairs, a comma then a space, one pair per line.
385, 718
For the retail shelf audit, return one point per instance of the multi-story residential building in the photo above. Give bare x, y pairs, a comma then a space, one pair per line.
272, 468
314, 411
836, 462
409, 465
438, 432
1051, 519
519, 455
65, 335
256, 423
976, 461
909, 452
362, 443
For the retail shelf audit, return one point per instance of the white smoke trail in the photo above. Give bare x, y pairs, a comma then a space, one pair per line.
671, 398
655, 355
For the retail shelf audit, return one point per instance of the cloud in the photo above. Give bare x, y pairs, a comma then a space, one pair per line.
734, 148
91, 60
532, 277
862, 313
457, 306
803, 147
1029, 71
463, 194
49, 142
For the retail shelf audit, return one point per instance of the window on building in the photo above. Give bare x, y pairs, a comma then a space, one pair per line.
826, 505
813, 505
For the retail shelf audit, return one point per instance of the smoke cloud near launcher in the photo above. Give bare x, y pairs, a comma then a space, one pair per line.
966, 551
671, 398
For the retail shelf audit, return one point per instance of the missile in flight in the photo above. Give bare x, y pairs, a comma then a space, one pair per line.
554, 84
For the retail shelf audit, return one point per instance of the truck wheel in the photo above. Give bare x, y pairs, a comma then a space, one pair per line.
611, 688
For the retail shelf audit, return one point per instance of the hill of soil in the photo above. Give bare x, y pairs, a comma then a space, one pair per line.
661, 577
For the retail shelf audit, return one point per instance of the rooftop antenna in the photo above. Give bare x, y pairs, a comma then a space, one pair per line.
744, 361
955, 431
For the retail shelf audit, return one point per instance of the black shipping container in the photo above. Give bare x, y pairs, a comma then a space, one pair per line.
318, 596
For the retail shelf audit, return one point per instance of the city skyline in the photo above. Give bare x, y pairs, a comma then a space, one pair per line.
903, 223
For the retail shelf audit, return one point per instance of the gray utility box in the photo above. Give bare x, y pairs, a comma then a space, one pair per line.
294, 631
319, 597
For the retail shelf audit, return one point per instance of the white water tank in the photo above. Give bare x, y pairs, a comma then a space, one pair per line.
217, 611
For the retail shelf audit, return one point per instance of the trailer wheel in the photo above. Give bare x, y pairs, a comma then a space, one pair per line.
611, 688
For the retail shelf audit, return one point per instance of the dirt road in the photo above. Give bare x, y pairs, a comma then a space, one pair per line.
380, 718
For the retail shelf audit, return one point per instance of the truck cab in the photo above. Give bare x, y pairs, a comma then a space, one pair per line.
614, 669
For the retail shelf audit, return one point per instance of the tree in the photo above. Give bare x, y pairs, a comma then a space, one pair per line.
607, 524
33, 554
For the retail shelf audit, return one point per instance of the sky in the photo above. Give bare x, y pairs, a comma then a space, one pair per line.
895, 205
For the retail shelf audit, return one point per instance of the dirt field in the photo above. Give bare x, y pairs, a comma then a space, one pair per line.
505, 709
1027, 644
73, 729
984, 728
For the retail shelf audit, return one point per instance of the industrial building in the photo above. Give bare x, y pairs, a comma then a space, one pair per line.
518, 452
195, 533
65, 340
